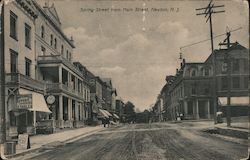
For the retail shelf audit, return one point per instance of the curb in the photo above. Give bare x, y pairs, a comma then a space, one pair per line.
38, 148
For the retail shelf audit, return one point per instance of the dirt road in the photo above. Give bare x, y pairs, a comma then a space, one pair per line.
146, 142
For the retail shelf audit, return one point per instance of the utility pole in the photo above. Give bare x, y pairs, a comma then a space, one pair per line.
2, 84
209, 11
227, 43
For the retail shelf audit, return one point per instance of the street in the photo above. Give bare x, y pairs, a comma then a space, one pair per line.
174, 141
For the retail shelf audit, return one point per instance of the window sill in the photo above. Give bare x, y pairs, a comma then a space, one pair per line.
28, 46
14, 37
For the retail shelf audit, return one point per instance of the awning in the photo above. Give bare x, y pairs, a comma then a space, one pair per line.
116, 116
235, 101
103, 112
109, 114
38, 102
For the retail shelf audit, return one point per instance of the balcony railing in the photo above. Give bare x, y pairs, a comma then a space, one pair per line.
48, 59
60, 87
24, 81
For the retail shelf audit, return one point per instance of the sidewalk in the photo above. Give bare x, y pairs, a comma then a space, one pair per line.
39, 141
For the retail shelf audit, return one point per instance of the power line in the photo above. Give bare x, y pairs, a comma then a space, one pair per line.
192, 44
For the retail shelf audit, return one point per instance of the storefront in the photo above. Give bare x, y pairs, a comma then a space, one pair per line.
238, 105
25, 110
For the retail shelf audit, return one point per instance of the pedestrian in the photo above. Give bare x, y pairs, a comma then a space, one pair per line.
108, 122
104, 122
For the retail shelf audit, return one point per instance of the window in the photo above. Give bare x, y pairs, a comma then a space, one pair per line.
42, 31
206, 72
27, 66
51, 39
193, 73
13, 61
224, 83
27, 36
206, 90
236, 65
55, 45
246, 81
62, 49
43, 50
193, 89
13, 25
236, 82
246, 66
67, 56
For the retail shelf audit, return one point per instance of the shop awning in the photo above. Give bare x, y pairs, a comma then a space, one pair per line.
116, 116
109, 114
103, 113
38, 102
235, 101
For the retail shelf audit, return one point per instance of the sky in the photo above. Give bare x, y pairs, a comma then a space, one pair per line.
138, 49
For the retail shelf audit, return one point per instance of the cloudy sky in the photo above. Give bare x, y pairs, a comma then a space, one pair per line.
138, 49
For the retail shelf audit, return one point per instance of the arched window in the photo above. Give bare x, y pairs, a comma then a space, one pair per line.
42, 31
193, 72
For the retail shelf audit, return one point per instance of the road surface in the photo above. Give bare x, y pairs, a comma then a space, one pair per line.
162, 141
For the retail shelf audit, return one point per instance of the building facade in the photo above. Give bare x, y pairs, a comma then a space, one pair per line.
189, 93
25, 102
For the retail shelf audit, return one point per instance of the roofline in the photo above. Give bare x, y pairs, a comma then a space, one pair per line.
53, 24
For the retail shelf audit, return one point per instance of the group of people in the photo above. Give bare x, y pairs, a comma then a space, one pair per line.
105, 121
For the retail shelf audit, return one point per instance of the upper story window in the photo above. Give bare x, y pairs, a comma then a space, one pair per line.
67, 54
62, 49
236, 65
224, 83
206, 72
42, 31
55, 44
13, 61
236, 82
193, 90
27, 67
193, 72
43, 50
27, 36
51, 39
246, 82
13, 25
246, 65
70, 56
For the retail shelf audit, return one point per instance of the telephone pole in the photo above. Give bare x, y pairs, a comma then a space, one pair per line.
227, 43
208, 12
2, 84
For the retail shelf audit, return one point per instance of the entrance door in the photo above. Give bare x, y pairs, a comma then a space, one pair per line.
22, 122
202, 108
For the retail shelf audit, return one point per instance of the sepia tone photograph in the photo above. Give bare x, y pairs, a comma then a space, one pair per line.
124, 80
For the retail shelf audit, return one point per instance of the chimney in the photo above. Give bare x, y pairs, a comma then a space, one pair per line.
72, 40
183, 61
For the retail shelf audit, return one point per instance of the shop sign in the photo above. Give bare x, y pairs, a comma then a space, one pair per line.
24, 101
23, 141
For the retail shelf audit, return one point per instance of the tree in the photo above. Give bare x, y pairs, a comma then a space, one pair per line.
129, 111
